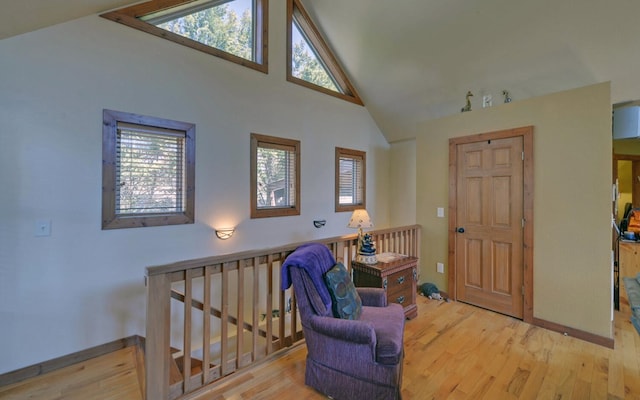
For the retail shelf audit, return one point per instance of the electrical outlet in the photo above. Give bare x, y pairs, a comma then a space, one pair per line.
440, 268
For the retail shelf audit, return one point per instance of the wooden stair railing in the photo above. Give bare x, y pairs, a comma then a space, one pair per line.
210, 317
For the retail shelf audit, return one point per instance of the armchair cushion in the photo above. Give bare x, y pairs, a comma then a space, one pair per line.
345, 299
388, 324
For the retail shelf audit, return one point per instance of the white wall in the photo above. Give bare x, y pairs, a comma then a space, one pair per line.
402, 184
83, 286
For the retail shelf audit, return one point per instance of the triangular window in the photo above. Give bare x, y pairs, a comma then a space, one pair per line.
231, 29
310, 62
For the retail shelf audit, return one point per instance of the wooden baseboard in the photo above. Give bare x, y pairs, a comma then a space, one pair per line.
567, 331
70, 359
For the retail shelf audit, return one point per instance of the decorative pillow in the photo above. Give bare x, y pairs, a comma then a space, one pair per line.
346, 301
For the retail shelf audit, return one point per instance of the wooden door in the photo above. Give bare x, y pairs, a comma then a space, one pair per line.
489, 231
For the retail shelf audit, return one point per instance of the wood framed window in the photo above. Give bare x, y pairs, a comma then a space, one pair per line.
350, 179
148, 171
235, 30
310, 61
275, 176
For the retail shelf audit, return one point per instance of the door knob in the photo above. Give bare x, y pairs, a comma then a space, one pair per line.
460, 230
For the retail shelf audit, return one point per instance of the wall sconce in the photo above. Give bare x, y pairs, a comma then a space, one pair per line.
319, 223
225, 233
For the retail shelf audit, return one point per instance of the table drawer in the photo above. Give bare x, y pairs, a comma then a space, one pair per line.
400, 280
402, 296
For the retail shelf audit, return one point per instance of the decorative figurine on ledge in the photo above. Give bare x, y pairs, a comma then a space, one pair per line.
367, 251
365, 247
507, 98
467, 107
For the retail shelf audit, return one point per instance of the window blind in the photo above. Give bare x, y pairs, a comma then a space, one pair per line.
276, 176
150, 170
350, 181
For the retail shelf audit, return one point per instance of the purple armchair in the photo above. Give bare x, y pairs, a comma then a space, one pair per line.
346, 359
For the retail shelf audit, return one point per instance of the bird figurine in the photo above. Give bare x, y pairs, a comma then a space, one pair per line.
507, 98
467, 107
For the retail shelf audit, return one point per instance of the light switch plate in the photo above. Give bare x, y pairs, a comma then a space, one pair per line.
440, 268
440, 212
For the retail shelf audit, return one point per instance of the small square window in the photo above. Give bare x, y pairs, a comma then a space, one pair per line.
275, 176
350, 179
148, 171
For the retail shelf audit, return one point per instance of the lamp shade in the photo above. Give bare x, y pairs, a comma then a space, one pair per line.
360, 219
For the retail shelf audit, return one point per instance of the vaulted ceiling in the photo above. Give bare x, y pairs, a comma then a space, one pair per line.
413, 60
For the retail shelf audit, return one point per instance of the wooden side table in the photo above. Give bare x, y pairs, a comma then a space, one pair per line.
398, 278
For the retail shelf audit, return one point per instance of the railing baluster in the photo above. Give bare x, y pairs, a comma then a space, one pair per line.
186, 356
157, 344
269, 311
256, 306
282, 316
224, 324
206, 324
240, 325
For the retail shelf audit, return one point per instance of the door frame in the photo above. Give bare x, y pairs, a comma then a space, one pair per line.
527, 181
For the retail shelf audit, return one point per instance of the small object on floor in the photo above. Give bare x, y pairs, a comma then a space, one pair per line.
431, 291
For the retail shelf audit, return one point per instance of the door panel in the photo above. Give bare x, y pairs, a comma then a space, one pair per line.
502, 266
473, 274
489, 250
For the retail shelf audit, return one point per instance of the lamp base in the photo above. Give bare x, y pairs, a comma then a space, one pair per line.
366, 259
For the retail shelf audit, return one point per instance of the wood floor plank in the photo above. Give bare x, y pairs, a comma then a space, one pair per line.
452, 351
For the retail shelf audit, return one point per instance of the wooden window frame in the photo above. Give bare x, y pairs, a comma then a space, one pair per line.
111, 220
353, 154
256, 141
130, 16
324, 53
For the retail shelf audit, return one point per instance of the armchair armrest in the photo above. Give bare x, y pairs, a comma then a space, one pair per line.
355, 331
373, 297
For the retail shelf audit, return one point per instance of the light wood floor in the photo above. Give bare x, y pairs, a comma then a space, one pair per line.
453, 351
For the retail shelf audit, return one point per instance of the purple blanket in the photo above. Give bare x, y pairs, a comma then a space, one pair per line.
316, 259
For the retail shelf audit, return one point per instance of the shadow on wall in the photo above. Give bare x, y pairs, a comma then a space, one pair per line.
125, 309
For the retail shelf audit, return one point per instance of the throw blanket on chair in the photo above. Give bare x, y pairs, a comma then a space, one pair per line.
306, 257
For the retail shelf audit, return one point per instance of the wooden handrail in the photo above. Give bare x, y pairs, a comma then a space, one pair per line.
250, 254
182, 320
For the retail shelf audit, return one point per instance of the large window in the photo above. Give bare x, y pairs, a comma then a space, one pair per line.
235, 30
275, 176
310, 62
148, 171
350, 179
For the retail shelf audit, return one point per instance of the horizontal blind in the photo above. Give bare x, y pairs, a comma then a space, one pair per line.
149, 170
276, 176
350, 181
